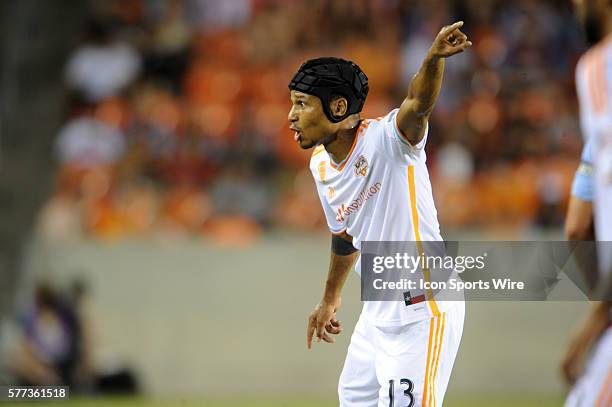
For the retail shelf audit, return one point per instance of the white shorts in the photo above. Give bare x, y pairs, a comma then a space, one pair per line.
402, 366
594, 388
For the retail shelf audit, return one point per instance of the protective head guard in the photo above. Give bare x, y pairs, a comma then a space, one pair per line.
329, 77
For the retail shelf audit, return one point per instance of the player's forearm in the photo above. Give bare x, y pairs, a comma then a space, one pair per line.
425, 86
339, 269
597, 322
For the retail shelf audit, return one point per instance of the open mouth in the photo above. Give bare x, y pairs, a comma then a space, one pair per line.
297, 133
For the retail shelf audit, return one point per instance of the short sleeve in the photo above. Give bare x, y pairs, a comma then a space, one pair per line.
582, 186
388, 139
330, 216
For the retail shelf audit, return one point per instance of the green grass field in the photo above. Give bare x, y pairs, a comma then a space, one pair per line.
286, 402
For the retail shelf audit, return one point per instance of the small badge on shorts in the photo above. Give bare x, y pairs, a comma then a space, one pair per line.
361, 166
409, 300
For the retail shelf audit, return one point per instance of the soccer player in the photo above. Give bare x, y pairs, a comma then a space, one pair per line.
373, 184
592, 386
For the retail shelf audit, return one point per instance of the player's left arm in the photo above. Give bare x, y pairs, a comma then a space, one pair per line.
323, 319
425, 86
597, 322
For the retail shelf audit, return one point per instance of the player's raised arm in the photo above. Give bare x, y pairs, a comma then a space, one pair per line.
425, 86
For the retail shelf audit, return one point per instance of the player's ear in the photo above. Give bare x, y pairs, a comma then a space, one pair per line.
338, 106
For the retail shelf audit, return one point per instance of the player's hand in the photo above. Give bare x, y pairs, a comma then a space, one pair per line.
322, 322
571, 366
450, 41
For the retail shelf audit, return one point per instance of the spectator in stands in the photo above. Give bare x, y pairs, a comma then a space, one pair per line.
101, 67
86, 142
49, 350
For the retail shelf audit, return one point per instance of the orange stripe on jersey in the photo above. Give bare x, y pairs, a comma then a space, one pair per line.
427, 369
605, 394
417, 235
590, 78
599, 76
364, 125
595, 71
317, 150
604, 86
321, 168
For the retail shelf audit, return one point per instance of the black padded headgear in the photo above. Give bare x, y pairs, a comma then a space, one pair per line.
328, 77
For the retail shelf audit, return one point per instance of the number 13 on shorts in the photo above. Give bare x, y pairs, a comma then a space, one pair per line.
408, 398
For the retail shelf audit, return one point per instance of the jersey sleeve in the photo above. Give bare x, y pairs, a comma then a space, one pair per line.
389, 141
582, 186
330, 216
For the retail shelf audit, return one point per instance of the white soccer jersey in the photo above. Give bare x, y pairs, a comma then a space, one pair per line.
594, 86
380, 192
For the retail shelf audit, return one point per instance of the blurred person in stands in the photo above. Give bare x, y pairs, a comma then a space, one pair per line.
101, 67
85, 141
588, 362
214, 15
50, 349
54, 346
167, 53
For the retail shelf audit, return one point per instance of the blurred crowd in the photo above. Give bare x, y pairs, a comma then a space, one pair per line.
176, 112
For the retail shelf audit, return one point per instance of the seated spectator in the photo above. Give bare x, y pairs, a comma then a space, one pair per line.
49, 350
87, 142
52, 345
101, 68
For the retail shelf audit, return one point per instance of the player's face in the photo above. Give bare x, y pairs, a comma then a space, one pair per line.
308, 120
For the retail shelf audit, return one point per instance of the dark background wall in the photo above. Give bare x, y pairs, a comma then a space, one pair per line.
35, 37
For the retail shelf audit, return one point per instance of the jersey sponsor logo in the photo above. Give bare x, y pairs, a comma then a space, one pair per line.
361, 166
346, 210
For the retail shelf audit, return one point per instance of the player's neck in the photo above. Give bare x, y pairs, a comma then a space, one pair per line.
340, 148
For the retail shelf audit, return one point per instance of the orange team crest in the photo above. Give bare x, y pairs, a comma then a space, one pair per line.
361, 166
321, 169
